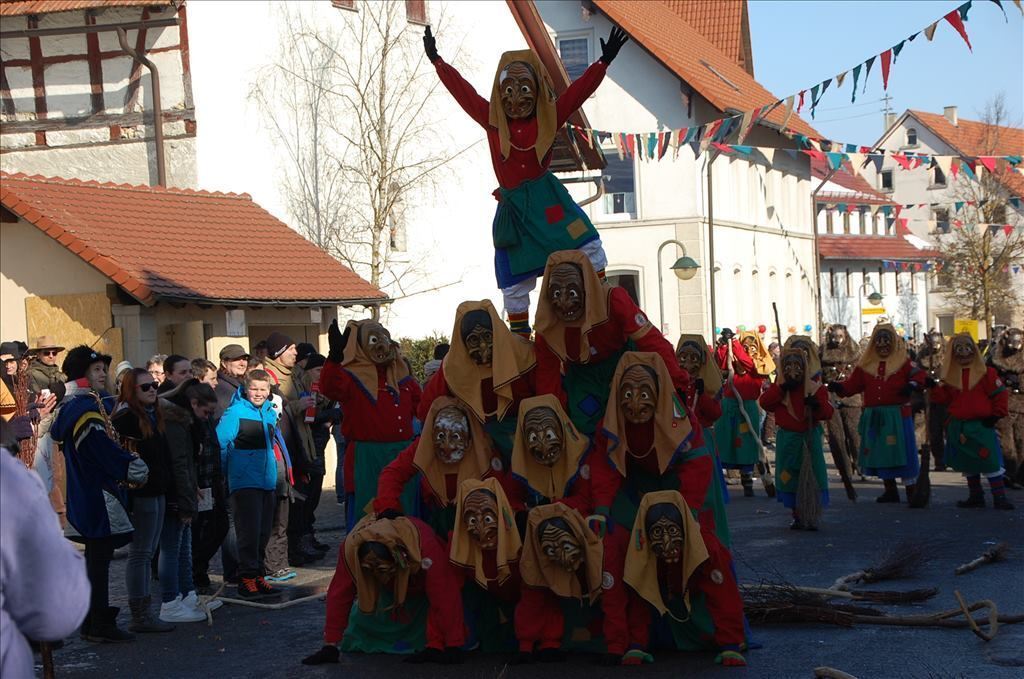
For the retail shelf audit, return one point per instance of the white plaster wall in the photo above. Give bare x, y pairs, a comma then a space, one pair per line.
842, 301
33, 264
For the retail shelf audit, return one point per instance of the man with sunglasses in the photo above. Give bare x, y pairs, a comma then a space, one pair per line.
43, 371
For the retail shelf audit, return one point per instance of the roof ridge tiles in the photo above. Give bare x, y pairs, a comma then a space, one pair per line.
123, 186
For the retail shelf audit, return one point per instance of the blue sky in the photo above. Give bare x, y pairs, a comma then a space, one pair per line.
798, 44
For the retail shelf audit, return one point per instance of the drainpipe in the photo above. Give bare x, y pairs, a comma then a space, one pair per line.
817, 264
711, 243
158, 114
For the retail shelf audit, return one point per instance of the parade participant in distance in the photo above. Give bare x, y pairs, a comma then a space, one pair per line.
98, 474
799, 404
887, 377
489, 369
975, 398
737, 431
1007, 357
368, 377
406, 593
671, 567
536, 215
838, 358
583, 328
703, 399
561, 570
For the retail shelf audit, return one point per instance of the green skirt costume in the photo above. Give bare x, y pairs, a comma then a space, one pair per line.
586, 388
371, 458
736, 443
972, 448
386, 631
789, 455
533, 220
887, 445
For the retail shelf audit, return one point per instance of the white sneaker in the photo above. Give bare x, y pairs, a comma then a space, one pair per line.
191, 600
176, 611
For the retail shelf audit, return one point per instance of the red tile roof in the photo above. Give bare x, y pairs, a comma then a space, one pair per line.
23, 7
973, 138
692, 57
859, 187
724, 22
871, 247
182, 244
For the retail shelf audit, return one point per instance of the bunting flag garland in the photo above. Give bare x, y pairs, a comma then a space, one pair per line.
900, 265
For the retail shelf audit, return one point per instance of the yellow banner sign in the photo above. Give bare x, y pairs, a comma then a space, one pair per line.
966, 325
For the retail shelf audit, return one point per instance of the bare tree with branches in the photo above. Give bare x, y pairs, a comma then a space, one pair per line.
978, 254
349, 106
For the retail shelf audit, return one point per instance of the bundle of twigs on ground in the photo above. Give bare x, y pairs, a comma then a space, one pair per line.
902, 561
993, 554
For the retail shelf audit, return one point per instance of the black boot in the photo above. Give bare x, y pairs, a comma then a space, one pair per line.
748, 484
892, 492
1000, 502
910, 488
973, 500
106, 630
308, 550
143, 620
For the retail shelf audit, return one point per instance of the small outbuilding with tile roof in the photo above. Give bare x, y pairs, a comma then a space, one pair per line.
140, 270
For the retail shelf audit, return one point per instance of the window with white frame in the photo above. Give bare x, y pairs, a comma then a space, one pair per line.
619, 186
628, 280
938, 176
885, 180
912, 137
575, 54
941, 219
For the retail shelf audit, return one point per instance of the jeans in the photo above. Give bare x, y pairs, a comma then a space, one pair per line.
148, 519
175, 558
209, 529
98, 553
252, 511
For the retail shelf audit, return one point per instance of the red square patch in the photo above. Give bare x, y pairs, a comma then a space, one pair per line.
554, 214
983, 453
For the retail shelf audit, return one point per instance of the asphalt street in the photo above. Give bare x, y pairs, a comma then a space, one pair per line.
246, 642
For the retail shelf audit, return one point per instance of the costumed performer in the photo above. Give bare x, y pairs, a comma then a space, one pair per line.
839, 355
736, 436
1007, 357
703, 399
799, 404
536, 215
451, 448
583, 328
406, 593
489, 368
561, 569
485, 547
366, 374
975, 398
549, 456
672, 568
887, 377
930, 359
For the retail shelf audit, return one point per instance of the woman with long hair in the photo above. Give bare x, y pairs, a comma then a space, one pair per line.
141, 425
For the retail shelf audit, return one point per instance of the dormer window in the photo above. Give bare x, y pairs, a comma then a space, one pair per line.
912, 137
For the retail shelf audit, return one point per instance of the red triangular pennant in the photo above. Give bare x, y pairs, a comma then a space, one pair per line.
957, 23
886, 59
989, 162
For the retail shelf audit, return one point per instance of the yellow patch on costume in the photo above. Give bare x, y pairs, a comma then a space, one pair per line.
577, 228
890, 440
785, 476
744, 428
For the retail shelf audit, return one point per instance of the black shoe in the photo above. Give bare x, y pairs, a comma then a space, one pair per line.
796, 524
972, 501
265, 587
296, 559
940, 467
748, 491
889, 496
319, 546
1001, 503
248, 589
106, 630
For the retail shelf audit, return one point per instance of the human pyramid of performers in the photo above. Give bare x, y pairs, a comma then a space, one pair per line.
566, 493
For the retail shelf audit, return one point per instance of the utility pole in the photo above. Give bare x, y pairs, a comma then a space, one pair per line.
887, 112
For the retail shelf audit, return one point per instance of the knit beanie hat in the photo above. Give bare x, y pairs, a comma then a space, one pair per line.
304, 350
277, 343
79, 359
315, 361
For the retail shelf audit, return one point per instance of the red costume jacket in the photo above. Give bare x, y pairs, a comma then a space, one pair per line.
521, 165
397, 473
739, 355
772, 402
439, 582
882, 391
380, 417
694, 475
624, 319
706, 407
988, 398
437, 386
749, 386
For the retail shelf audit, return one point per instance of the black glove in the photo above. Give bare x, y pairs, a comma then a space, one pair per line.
699, 385
336, 342
907, 389
327, 654
609, 50
989, 421
930, 382
790, 386
389, 514
430, 46
812, 402
22, 427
